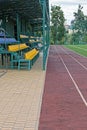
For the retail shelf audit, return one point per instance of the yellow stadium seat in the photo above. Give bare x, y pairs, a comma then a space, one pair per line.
17, 47
31, 54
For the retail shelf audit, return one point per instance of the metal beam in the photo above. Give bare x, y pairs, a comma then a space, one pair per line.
18, 28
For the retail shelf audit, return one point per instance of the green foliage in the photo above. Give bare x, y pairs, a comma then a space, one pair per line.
79, 26
85, 38
68, 39
57, 25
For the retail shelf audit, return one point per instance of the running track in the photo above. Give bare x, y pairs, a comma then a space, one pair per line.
64, 102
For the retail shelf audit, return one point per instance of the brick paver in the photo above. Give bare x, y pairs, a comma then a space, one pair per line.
20, 98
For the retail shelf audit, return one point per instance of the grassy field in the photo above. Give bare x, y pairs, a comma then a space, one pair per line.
81, 49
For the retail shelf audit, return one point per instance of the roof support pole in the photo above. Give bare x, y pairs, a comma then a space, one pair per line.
18, 28
47, 35
44, 37
4, 22
46, 24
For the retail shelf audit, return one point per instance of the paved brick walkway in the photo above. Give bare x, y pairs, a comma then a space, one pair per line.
20, 98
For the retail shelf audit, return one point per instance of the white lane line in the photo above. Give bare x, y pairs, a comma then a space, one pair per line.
79, 62
76, 86
75, 59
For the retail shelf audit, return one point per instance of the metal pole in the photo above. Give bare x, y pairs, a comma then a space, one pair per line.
18, 28
44, 40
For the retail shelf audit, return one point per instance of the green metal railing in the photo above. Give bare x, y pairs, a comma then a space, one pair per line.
46, 25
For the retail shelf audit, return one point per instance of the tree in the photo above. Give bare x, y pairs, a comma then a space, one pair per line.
57, 24
79, 25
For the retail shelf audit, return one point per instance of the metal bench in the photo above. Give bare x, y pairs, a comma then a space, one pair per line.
24, 62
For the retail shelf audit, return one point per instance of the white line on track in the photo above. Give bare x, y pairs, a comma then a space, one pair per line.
75, 59
76, 86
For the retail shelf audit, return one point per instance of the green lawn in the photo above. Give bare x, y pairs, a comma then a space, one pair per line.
81, 49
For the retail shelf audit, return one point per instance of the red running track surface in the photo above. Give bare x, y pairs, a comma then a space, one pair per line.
64, 102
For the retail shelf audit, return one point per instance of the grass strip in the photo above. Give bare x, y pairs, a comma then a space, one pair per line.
77, 49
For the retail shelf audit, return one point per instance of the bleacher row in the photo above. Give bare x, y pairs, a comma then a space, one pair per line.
24, 61
22, 53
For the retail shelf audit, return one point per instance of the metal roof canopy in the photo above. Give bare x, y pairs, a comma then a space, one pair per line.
29, 9
35, 11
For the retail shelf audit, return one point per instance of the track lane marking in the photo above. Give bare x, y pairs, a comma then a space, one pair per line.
75, 59
76, 86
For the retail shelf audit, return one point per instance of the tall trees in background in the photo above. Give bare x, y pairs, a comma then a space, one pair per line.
79, 26
57, 25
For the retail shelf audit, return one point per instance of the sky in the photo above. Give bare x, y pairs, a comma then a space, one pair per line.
70, 6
